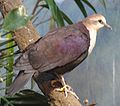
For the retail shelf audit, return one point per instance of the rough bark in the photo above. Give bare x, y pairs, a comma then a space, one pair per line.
26, 36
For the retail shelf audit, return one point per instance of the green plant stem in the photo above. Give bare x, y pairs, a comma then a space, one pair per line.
10, 60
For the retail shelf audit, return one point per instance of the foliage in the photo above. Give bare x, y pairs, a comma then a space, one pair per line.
16, 19
25, 97
59, 16
56, 13
10, 60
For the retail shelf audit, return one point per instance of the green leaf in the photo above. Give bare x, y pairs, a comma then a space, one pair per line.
67, 19
16, 19
55, 12
5, 101
44, 5
52, 24
24, 98
90, 5
81, 6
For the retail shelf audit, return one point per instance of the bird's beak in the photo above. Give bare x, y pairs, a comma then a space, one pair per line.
108, 26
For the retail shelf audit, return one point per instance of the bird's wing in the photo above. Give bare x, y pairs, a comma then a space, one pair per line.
22, 63
19, 82
59, 48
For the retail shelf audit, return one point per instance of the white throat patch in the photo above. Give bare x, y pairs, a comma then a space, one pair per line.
93, 34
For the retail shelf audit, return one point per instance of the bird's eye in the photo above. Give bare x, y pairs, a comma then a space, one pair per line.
100, 21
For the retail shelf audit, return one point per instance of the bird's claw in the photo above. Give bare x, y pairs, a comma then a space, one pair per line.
67, 89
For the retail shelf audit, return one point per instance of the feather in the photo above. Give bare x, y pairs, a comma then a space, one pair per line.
19, 82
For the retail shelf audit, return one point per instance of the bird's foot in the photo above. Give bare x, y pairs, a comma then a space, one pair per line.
67, 89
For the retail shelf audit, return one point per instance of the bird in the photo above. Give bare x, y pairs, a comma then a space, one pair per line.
59, 51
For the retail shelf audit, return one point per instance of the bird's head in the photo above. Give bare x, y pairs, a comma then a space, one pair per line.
96, 21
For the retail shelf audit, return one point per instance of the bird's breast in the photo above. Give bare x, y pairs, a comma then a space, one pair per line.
93, 35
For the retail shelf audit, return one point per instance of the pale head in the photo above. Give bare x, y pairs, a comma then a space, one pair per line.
96, 21
93, 23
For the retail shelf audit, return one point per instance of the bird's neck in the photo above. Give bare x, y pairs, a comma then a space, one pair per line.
93, 35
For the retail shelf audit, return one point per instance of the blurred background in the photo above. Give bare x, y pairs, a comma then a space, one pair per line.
97, 78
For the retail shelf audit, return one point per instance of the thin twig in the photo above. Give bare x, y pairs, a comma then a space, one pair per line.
41, 22
36, 6
39, 11
5, 33
37, 14
8, 41
35, 20
1, 50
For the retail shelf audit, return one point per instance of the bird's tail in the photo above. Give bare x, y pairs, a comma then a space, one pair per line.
19, 82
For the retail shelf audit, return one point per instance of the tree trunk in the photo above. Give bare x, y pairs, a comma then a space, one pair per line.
25, 37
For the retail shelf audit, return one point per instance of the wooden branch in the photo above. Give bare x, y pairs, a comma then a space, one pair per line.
45, 83
25, 37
